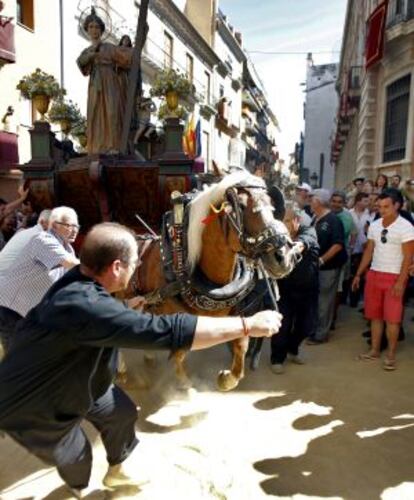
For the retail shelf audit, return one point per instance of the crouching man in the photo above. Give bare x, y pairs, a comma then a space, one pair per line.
57, 372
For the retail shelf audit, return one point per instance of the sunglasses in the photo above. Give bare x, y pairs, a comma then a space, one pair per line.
384, 233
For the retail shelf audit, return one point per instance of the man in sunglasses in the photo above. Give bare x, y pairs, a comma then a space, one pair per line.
39, 264
389, 250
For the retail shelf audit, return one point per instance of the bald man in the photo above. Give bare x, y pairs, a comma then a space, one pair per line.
58, 373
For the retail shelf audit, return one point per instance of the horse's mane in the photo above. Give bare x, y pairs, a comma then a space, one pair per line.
200, 208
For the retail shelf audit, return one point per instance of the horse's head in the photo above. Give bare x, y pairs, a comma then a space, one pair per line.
250, 212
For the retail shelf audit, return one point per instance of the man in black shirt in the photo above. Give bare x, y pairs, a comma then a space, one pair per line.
332, 256
298, 302
58, 369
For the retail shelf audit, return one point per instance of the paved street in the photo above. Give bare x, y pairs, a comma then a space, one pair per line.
334, 428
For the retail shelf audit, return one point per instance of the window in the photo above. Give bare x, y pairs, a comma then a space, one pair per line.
396, 120
25, 13
168, 50
207, 89
189, 66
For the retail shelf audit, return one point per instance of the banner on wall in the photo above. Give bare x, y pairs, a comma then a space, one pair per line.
374, 50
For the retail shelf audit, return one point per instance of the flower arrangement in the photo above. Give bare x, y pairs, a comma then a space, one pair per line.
79, 128
165, 112
62, 110
40, 83
171, 80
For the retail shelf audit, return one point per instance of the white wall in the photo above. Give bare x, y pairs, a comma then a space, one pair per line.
320, 112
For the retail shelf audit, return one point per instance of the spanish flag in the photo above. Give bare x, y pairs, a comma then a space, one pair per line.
189, 137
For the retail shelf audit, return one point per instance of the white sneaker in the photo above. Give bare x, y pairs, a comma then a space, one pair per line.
116, 477
277, 368
298, 360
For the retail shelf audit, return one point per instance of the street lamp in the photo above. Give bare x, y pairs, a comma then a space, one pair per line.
314, 180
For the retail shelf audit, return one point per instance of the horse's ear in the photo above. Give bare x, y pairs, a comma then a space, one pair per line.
216, 170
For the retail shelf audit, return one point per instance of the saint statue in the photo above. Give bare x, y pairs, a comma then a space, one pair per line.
102, 62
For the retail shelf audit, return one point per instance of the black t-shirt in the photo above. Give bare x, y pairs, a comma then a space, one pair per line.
330, 232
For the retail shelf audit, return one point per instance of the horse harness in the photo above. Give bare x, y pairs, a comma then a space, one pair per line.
193, 287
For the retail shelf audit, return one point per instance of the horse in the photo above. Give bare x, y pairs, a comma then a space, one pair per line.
205, 260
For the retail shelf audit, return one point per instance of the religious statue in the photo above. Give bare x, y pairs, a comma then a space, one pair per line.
102, 62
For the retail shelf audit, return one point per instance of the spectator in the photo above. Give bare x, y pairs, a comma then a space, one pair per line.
40, 263
302, 192
381, 183
332, 257
7, 229
58, 371
358, 184
390, 248
8, 208
361, 217
338, 200
298, 302
396, 181
14, 248
368, 187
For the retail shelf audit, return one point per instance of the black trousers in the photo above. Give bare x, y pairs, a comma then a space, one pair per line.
8, 320
113, 415
300, 316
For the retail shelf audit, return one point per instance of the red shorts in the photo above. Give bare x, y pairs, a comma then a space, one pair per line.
378, 301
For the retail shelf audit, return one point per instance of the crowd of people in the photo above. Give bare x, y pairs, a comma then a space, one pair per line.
358, 250
58, 316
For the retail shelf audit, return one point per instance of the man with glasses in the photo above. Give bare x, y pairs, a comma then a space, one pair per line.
39, 264
389, 249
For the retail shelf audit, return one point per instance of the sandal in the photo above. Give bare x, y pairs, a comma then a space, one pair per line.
367, 357
389, 364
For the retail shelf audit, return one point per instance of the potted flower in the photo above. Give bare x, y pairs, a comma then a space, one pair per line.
66, 113
79, 131
164, 112
40, 87
171, 85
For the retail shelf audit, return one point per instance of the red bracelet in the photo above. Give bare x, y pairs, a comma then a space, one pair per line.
245, 329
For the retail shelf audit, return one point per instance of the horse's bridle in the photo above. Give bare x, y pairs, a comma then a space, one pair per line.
266, 241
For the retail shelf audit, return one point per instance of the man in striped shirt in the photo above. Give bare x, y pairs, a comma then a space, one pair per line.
41, 263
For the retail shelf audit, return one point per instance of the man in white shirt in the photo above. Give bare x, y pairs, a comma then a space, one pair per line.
17, 243
389, 249
44, 259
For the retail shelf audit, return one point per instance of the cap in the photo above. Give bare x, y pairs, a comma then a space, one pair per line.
322, 194
304, 187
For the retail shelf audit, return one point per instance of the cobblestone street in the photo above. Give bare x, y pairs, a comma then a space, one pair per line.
333, 428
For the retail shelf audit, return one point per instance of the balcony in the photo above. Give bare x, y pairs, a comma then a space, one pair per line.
354, 85
399, 11
7, 51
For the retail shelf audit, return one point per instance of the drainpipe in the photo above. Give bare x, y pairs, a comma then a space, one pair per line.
62, 75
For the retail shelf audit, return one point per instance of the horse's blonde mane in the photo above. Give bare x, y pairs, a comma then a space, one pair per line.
200, 208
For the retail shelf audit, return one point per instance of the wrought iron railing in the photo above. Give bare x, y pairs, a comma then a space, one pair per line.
399, 11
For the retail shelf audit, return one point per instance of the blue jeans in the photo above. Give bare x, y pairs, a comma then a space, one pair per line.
8, 320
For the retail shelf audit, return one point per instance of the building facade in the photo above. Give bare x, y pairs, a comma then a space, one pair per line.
192, 36
375, 121
321, 104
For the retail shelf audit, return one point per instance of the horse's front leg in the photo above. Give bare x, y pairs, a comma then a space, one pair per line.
180, 370
229, 379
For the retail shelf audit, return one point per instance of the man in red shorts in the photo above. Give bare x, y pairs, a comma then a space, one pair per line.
390, 250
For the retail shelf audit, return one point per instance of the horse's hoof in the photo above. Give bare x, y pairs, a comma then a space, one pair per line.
226, 381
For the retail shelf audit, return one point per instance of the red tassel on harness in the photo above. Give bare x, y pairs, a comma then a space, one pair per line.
215, 215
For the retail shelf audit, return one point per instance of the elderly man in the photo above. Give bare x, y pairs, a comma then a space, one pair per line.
332, 256
58, 370
302, 193
40, 263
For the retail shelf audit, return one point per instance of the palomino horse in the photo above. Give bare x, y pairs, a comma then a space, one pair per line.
204, 262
